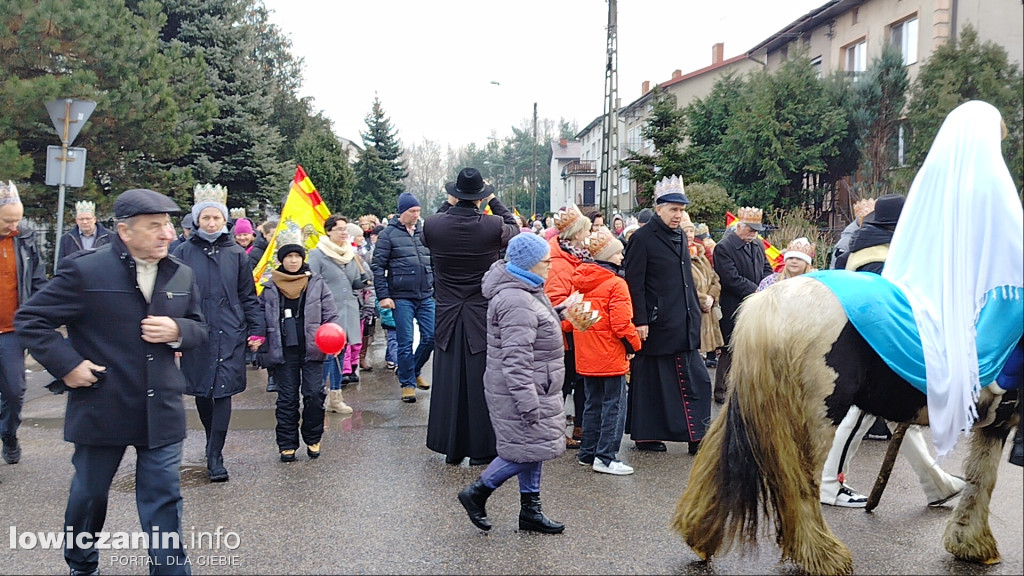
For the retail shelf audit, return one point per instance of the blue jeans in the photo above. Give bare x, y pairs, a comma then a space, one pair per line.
411, 365
605, 417
500, 470
332, 369
12, 383
157, 496
391, 354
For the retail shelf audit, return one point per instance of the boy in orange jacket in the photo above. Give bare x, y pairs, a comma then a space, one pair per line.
603, 352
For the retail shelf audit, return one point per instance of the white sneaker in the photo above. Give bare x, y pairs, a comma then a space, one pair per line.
617, 468
847, 498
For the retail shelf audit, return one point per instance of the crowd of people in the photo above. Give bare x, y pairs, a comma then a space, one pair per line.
625, 316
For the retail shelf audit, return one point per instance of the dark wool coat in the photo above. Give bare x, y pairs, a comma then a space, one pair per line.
463, 244
232, 312
95, 294
318, 309
401, 264
661, 285
740, 267
71, 241
525, 369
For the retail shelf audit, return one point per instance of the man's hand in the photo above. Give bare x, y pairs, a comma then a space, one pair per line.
160, 329
641, 331
488, 199
387, 303
83, 375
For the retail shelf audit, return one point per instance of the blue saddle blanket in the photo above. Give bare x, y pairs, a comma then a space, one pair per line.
882, 314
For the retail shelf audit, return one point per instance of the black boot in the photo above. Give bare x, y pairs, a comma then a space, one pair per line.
532, 518
1017, 452
215, 457
473, 499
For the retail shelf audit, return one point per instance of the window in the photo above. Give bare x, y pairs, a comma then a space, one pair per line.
904, 37
816, 65
855, 14
856, 58
901, 148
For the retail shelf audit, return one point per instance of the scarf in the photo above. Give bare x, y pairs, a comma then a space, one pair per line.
341, 255
291, 285
581, 254
525, 275
963, 189
211, 238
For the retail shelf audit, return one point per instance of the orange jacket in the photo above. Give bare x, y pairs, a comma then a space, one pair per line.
599, 350
559, 284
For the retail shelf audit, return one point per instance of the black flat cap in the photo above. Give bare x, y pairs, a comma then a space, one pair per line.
141, 201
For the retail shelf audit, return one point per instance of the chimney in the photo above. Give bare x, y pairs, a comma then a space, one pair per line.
717, 51
564, 142
645, 87
677, 74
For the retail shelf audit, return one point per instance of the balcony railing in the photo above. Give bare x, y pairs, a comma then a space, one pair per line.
580, 168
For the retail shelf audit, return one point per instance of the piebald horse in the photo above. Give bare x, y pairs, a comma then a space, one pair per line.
799, 365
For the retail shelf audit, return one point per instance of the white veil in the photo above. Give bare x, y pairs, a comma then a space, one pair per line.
960, 235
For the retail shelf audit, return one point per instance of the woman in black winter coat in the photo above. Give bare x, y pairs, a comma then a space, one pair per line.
216, 372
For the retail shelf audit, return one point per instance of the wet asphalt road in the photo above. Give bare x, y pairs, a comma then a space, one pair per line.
378, 501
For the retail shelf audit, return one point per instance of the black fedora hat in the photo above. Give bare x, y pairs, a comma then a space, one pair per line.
887, 210
469, 186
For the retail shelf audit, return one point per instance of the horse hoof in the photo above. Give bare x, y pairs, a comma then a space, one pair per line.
992, 561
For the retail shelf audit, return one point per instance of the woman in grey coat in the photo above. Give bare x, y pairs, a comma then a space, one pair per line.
522, 383
336, 261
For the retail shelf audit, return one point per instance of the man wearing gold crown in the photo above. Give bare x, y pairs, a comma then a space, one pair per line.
87, 234
18, 281
741, 265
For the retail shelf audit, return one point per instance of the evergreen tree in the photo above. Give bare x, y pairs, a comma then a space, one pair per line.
241, 150
381, 168
321, 155
148, 104
664, 128
955, 73
879, 98
707, 120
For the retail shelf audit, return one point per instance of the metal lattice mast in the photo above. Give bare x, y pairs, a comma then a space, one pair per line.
610, 134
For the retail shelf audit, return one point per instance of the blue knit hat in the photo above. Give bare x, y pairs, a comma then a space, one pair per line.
406, 201
526, 250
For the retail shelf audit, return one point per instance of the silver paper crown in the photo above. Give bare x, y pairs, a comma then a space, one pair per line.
237, 213
9, 193
211, 193
85, 207
289, 234
669, 185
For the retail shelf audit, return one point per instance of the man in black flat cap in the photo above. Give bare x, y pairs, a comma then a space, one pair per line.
463, 243
128, 307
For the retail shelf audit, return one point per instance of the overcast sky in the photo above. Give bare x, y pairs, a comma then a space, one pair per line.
459, 71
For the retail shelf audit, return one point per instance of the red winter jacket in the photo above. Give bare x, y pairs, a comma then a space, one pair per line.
559, 285
599, 350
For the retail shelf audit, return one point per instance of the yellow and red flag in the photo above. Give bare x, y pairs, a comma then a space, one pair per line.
771, 252
303, 208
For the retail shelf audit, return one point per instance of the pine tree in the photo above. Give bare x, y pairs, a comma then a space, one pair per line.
664, 129
879, 98
381, 168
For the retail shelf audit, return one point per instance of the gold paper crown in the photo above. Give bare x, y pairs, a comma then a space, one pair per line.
749, 215
801, 245
669, 185
290, 234
211, 193
9, 193
85, 207
862, 208
565, 218
686, 221
237, 213
602, 244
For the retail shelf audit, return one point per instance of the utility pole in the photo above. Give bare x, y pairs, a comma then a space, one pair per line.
610, 135
533, 180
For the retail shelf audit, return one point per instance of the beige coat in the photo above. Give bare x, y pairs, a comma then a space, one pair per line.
706, 280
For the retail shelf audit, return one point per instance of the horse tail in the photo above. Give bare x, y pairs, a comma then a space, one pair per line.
768, 445
720, 502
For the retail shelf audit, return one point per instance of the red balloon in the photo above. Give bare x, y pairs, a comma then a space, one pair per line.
330, 338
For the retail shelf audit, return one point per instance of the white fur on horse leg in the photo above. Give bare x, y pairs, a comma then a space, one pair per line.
847, 441
938, 485
968, 535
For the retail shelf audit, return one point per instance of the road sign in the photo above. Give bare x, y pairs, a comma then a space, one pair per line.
75, 176
75, 112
